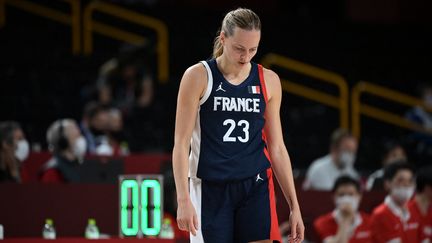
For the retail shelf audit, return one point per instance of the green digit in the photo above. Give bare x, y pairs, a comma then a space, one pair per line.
147, 206
126, 216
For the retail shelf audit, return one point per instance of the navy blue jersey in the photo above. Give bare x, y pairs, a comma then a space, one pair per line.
228, 141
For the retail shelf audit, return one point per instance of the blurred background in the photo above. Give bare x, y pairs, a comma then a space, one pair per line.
114, 67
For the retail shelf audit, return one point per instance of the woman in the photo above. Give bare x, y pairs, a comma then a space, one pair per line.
228, 115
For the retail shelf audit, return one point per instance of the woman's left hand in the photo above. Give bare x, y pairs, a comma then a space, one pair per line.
297, 226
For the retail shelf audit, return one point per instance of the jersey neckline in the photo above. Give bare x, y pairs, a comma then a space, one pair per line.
251, 75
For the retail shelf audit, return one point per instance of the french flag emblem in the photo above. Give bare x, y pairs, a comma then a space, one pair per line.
254, 90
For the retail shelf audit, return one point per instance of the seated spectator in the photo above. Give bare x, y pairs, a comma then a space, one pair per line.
68, 146
391, 221
345, 224
14, 149
421, 205
94, 126
392, 152
324, 171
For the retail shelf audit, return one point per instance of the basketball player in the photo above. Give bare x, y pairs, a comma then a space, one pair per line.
228, 117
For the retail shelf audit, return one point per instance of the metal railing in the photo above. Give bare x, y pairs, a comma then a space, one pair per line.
73, 18
339, 102
360, 108
91, 25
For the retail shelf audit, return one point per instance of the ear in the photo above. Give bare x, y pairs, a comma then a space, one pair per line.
387, 185
222, 37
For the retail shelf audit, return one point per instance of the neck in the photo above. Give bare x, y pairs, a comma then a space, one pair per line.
229, 69
423, 203
399, 204
8, 162
335, 162
68, 155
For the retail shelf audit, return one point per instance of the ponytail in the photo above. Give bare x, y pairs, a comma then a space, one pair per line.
217, 47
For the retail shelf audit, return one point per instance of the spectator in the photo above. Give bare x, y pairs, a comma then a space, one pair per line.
94, 125
124, 80
345, 224
391, 221
14, 149
421, 114
324, 171
116, 135
392, 152
421, 205
147, 131
68, 146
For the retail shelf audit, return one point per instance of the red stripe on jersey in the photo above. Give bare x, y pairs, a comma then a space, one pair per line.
274, 225
262, 81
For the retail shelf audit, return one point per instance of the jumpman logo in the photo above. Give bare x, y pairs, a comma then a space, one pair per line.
258, 177
220, 88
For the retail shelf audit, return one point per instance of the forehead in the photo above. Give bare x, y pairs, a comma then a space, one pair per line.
346, 188
245, 38
403, 174
18, 134
348, 142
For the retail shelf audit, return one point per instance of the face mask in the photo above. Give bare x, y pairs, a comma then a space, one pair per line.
353, 201
22, 151
402, 194
80, 147
346, 159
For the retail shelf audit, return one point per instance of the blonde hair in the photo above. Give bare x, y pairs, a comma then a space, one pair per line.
243, 18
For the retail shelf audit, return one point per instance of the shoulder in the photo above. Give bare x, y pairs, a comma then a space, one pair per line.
380, 210
325, 226
195, 78
272, 80
321, 163
365, 217
196, 73
52, 175
324, 220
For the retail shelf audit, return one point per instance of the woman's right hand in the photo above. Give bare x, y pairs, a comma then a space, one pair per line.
187, 219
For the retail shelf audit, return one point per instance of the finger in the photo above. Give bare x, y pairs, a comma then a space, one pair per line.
192, 227
181, 226
301, 233
293, 232
195, 221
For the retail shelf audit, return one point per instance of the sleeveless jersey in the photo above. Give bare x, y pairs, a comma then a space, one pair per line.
228, 141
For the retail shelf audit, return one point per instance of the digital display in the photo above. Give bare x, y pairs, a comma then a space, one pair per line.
141, 205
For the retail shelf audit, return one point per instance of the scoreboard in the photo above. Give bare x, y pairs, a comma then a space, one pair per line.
141, 205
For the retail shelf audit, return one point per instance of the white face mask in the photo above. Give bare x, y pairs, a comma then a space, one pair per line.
347, 159
22, 150
402, 194
80, 147
353, 201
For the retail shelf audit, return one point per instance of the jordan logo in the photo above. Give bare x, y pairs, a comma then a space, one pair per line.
220, 88
258, 177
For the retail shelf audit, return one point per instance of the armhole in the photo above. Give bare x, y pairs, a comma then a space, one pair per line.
262, 81
209, 83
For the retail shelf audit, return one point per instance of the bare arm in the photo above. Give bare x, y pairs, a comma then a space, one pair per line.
192, 87
281, 162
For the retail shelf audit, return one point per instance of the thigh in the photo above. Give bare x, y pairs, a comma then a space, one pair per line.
217, 213
255, 219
